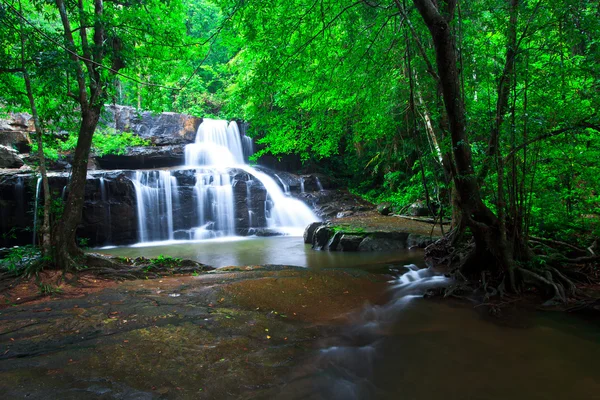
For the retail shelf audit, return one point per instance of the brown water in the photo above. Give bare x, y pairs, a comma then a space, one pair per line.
414, 348
409, 349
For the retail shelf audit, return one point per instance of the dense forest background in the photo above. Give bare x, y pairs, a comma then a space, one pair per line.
360, 90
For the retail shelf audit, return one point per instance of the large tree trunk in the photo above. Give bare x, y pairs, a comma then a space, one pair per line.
490, 246
65, 246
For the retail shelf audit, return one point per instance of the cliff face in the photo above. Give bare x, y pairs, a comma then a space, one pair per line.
111, 214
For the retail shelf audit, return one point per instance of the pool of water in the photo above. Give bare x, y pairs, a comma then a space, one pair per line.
280, 250
412, 348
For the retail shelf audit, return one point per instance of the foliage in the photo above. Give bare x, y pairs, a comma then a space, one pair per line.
22, 260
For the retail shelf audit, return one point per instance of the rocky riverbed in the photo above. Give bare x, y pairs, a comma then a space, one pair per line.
235, 332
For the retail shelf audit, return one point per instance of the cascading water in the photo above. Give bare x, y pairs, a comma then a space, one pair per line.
155, 204
35, 208
218, 153
286, 187
104, 196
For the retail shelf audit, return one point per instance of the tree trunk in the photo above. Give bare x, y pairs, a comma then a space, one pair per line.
490, 248
65, 246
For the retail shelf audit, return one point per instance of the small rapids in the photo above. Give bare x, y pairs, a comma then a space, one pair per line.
345, 370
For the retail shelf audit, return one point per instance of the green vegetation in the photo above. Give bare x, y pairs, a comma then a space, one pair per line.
487, 111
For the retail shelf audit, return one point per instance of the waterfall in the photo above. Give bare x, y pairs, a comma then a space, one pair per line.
35, 208
319, 184
285, 214
20, 199
218, 151
286, 187
104, 196
153, 190
249, 183
302, 185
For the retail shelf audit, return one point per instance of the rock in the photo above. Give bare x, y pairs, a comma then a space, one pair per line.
164, 129
309, 232
321, 237
349, 242
318, 182
145, 157
419, 209
9, 158
337, 203
384, 208
419, 241
61, 164
334, 241
384, 241
15, 131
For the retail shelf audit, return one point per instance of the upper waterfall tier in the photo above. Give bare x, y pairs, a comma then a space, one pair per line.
218, 144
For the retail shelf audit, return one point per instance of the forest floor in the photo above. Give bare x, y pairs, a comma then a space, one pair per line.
237, 331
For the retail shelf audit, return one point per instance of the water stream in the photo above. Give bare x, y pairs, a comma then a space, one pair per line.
411, 348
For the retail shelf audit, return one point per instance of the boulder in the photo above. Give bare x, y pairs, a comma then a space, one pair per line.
9, 158
144, 157
349, 242
309, 232
420, 241
384, 241
14, 131
321, 237
384, 208
164, 129
419, 209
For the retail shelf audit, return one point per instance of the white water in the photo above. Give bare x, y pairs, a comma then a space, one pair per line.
219, 148
35, 208
349, 365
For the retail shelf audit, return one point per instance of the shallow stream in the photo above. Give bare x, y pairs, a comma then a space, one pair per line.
224, 335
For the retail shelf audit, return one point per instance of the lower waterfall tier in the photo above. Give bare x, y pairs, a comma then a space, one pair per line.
127, 207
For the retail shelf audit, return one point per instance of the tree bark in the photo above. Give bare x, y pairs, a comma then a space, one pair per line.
490, 248
91, 96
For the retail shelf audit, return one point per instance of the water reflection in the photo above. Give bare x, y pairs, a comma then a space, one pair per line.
284, 250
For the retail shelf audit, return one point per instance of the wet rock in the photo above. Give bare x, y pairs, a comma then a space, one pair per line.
15, 132
384, 241
420, 241
145, 157
349, 242
164, 129
384, 208
321, 237
310, 231
9, 158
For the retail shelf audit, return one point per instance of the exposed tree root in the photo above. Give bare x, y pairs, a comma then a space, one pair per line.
552, 279
139, 268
